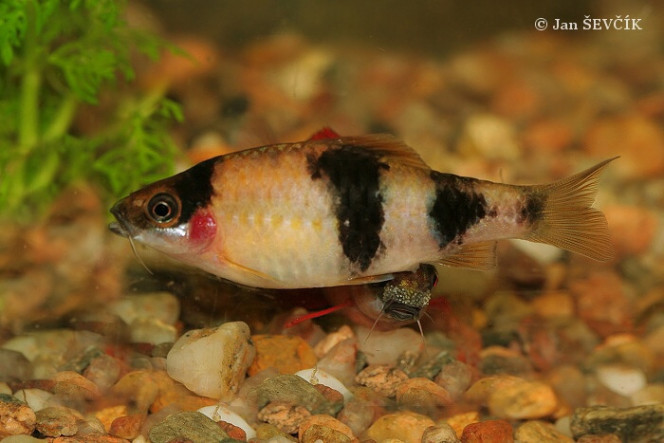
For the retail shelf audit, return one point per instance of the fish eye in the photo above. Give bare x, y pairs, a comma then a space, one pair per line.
163, 208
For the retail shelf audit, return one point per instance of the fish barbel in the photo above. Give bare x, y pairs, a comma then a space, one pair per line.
349, 210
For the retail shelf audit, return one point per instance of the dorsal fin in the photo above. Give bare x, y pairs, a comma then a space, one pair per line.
389, 147
480, 256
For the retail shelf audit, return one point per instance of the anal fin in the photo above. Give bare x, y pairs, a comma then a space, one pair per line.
370, 279
480, 256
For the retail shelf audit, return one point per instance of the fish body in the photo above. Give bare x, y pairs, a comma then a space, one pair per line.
349, 210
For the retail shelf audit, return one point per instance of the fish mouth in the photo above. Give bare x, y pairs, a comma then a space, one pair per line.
120, 226
402, 312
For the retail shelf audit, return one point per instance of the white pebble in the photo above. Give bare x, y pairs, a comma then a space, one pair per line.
319, 377
163, 306
212, 362
37, 399
620, 379
222, 413
152, 330
384, 347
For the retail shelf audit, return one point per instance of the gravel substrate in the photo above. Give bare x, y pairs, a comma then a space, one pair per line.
549, 347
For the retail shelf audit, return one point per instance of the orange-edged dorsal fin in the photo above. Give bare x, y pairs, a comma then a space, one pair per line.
324, 134
389, 147
481, 256
369, 279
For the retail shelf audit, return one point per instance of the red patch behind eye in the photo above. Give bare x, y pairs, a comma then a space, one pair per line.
203, 227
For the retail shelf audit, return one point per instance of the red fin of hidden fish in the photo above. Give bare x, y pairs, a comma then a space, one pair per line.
299, 319
324, 133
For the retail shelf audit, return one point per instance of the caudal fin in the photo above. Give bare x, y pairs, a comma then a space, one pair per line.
567, 219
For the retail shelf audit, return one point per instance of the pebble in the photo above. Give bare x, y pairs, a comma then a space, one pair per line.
523, 400
440, 433
317, 376
638, 423
455, 377
536, 431
383, 379
73, 390
554, 305
570, 384
291, 389
162, 306
152, 331
35, 398
55, 421
5, 389
406, 426
171, 393
602, 303
632, 228
287, 417
287, 354
422, 394
488, 431
104, 371
324, 428
127, 426
14, 365
362, 410
458, 422
138, 388
637, 139
187, 426
621, 379
107, 415
341, 361
480, 391
212, 362
501, 360
16, 417
650, 394
385, 347
270, 433
332, 339
221, 412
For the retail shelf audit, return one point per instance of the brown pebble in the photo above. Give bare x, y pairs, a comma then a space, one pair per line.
523, 400
90, 439
406, 426
127, 426
107, 415
638, 140
233, 431
103, 371
16, 418
458, 422
604, 438
285, 416
285, 353
332, 339
138, 388
423, 393
327, 423
55, 421
383, 379
489, 431
632, 228
537, 431
174, 394
73, 386
441, 433
602, 303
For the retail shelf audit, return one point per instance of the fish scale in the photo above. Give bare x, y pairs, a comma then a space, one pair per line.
349, 210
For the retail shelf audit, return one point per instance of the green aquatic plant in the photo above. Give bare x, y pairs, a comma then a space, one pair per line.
58, 57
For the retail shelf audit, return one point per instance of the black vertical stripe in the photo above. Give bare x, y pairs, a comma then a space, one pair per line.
455, 207
354, 175
194, 186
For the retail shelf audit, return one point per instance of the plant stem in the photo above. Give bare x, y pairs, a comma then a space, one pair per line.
62, 120
29, 113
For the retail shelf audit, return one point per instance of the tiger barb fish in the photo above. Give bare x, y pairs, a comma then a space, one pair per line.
349, 210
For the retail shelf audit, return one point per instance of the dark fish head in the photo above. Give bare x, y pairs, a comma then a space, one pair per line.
172, 215
401, 300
